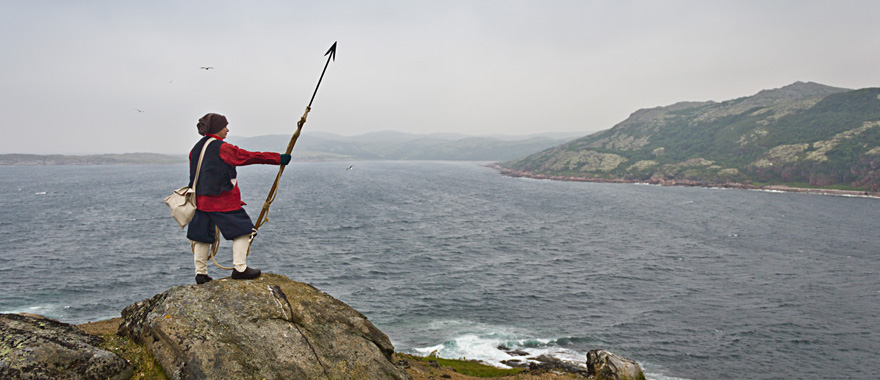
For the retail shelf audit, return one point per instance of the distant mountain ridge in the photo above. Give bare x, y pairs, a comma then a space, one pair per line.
16, 159
322, 146
392, 145
801, 135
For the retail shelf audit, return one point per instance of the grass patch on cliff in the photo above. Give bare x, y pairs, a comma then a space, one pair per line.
142, 362
465, 367
807, 185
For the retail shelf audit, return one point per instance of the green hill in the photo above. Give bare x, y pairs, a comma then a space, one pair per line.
800, 135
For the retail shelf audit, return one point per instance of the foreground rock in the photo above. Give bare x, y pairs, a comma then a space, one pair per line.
34, 347
267, 328
604, 365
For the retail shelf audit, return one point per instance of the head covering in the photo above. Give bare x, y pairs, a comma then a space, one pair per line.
212, 123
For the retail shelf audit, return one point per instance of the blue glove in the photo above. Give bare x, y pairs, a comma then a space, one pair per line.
285, 159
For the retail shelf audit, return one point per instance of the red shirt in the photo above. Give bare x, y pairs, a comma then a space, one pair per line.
233, 156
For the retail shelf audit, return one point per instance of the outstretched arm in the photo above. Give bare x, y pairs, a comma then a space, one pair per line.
236, 156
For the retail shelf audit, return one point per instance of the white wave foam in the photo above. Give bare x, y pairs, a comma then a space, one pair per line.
46, 310
491, 344
655, 376
654, 372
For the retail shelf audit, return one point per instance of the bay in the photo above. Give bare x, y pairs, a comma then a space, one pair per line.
692, 283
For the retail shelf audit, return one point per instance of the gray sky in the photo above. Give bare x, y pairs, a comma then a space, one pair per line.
74, 73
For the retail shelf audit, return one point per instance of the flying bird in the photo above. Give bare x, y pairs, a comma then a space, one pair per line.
349, 168
139, 110
206, 68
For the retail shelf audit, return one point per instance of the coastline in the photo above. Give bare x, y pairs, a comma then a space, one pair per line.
420, 368
689, 183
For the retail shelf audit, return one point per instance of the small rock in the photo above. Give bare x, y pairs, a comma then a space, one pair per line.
604, 365
515, 363
549, 363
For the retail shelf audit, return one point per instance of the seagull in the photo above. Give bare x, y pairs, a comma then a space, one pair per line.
138, 109
206, 68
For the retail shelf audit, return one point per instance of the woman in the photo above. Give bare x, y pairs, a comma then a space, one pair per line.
218, 199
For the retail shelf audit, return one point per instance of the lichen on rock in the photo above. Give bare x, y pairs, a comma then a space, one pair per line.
728, 172
642, 165
584, 161
35, 347
270, 327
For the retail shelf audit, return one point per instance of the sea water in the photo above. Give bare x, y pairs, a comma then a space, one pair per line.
452, 257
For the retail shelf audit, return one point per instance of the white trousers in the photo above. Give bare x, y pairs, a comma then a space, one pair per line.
201, 251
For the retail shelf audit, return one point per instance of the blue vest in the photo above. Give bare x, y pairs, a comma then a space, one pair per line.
216, 176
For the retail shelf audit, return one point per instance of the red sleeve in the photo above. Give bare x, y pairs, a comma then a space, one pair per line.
236, 156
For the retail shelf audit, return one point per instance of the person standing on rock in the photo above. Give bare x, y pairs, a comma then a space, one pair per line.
218, 199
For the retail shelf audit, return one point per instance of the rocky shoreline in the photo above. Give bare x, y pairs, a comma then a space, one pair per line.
689, 183
270, 327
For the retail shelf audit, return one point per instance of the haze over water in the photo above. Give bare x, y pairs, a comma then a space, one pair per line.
692, 283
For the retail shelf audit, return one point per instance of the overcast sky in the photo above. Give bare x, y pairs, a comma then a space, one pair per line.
73, 74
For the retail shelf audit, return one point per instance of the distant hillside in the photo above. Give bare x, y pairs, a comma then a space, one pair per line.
98, 159
391, 145
320, 146
800, 135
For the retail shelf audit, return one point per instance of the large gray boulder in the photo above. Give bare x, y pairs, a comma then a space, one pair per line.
35, 347
604, 365
267, 328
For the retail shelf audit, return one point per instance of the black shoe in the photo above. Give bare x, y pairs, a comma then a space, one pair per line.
203, 278
248, 274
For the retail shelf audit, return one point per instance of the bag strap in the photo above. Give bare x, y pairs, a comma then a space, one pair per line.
199, 166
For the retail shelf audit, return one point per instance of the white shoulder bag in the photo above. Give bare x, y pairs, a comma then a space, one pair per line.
183, 200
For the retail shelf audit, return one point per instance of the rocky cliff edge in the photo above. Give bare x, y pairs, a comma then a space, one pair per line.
267, 328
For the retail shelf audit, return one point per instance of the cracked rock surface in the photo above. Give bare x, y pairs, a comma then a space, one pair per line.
267, 328
35, 347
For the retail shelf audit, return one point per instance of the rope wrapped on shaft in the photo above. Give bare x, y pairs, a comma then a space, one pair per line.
264, 213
